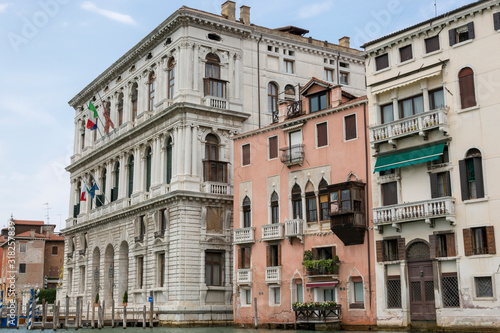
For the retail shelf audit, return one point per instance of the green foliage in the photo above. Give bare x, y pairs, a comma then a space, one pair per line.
326, 265
308, 255
125, 297
49, 295
310, 305
96, 298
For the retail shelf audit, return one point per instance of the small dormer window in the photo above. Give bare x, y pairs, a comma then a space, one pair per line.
214, 37
318, 102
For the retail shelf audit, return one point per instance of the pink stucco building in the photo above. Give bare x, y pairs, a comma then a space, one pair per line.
302, 215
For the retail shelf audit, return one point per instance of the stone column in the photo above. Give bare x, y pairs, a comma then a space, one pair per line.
178, 72
196, 67
237, 72
83, 204
188, 73
187, 149
137, 170
195, 158
160, 80
162, 172
156, 161
395, 108
127, 103
109, 173
76, 146
123, 176
72, 197
143, 92
425, 94
231, 84
179, 151
141, 184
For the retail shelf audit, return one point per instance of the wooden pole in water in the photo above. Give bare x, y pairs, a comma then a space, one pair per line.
88, 309
81, 311
17, 314
77, 315
44, 314
56, 319
93, 314
103, 312
124, 317
99, 315
113, 314
66, 312
151, 311
255, 322
144, 317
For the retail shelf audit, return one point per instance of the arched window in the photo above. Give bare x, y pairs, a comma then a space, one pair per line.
323, 200
148, 169
272, 97
247, 212
171, 78
311, 207
213, 169
169, 160
151, 91
120, 109
212, 148
133, 100
275, 208
130, 175
467, 91
471, 175
214, 86
114, 190
289, 92
297, 201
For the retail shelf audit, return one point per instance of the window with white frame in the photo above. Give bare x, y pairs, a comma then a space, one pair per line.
274, 295
357, 293
329, 75
288, 66
22, 247
246, 296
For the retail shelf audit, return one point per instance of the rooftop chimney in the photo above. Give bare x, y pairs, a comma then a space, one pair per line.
32, 233
344, 41
228, 10
245, 14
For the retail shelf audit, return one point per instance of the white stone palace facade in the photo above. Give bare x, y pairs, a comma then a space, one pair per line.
434, 105
161, 221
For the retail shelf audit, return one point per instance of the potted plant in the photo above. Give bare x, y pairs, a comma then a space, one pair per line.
125, 298
97, 299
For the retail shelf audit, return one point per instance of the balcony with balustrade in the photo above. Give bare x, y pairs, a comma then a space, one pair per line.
244, 235
419, 124
273, 274
272, 232
244, 276
426, 210
294, 228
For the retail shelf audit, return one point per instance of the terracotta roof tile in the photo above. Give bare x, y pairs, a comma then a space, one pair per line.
28, 222
28, 234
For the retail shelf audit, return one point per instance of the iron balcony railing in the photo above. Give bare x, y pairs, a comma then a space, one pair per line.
292, 155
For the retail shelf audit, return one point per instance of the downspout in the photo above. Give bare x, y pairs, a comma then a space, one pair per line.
258, 76
367, 212
338, 73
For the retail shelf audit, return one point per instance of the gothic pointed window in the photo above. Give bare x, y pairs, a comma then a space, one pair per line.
275, 208
247, 212
272, 97
297, 201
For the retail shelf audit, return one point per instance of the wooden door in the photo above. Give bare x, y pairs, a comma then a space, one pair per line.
422, 306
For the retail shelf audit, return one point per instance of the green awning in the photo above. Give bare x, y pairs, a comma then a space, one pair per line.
409, 157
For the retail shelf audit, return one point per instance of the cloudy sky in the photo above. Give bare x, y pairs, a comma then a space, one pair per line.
51, 49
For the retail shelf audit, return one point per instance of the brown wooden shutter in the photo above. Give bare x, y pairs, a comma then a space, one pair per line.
470, 28
450, 245
240, 266
268, 255
279, 254
382, 61
433, 246
496, 21
334, 251
464, 183
448, 184
322, 130
380, 250
273, 147
315, 254
248, 258
405, 53
490, 239
350, 127
401, 248
468, 242
452, 33
466, 84
434, 185
478, 172
246, 154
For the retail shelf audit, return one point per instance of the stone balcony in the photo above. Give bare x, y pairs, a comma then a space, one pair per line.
294, 228
216, 102
426, 210
217, 188
272, 231
244, 235
244, 276
273, 274
417, 124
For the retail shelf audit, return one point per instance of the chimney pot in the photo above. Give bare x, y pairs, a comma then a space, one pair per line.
245, 15
344, 41
228, 10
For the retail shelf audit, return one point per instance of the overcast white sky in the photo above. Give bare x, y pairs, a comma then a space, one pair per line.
51, 49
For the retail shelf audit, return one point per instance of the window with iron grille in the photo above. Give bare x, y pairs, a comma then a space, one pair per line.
484, 286
450, 292
393, 292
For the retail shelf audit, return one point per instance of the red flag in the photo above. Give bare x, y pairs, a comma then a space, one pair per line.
90, 125
108, 119
83, 197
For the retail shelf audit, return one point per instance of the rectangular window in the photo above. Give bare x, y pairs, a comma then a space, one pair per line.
329, 295
22, 268
247, 296
245, 152
389, 193
245, 257
273, 255
393, 292
359, 293
479, 240
440, 184
496, 21
444, 244
312, 212
343, 64
471, 178
436, 99
274, 295
431, 44
450, 292
382, 61
411, 106
350, 127
344, 78
322, 134
328, 75
213, 268
140, 272
161, 269
323, 205
288, 66
297, 208
484, 286
386, 113
22, 247
54, 250
273, 147
405, 53
318, 102
391, 252
300, 292
461, 34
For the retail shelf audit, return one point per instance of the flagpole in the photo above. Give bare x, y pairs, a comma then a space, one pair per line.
95, 182
109, 114
99, 118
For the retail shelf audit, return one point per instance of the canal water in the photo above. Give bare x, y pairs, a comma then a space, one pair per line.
181, 330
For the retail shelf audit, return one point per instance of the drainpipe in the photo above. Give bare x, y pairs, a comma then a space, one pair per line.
338, 74
367, 215
258, 76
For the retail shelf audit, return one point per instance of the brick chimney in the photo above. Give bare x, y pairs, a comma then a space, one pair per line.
245, 15
32, 233
228, 10
336, 96
344, 41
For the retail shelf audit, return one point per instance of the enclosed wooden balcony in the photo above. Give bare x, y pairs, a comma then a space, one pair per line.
272, 231
417, 124
244, 235
347, 212
425, 210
